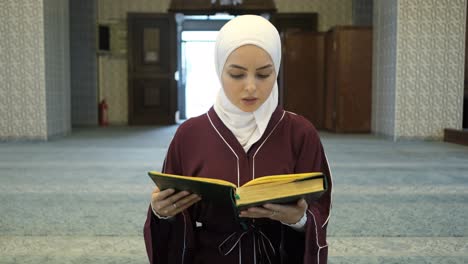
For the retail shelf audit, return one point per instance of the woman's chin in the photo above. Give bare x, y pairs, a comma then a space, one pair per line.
248, 108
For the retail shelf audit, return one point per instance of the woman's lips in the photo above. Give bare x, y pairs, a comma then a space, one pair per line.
249, 101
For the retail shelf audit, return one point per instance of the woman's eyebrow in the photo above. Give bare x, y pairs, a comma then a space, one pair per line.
238, 67
264, 67
245, 69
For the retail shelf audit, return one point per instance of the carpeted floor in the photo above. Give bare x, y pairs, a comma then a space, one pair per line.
83, 198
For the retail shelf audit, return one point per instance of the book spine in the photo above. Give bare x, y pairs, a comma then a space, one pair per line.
236, 210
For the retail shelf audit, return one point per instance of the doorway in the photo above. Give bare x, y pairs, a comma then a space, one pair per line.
198, 83
201, 82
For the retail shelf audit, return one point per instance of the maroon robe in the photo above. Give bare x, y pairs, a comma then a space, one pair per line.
204, 146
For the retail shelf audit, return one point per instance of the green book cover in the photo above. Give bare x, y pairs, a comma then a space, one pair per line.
285, 188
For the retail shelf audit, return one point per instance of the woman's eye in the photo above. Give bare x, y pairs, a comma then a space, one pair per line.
236, 76
263, 76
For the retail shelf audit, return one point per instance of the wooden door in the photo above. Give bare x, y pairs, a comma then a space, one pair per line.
152, 91
348, 89
287, 23
331, 72
303, 73
354, 89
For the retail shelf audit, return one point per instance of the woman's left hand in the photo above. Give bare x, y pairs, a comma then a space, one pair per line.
288, 214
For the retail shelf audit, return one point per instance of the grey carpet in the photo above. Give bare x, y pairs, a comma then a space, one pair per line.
83, 198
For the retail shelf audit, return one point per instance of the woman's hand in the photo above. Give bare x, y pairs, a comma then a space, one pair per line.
288, 214
167, 203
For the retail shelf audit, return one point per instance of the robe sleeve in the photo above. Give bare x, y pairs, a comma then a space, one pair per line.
170, 240
312, 158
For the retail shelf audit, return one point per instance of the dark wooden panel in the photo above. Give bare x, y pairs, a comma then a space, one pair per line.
456, 136
465, 110
157, 61
349, 79
152, 96
355, 82
290, 23
151, 100
152, 93
303, 74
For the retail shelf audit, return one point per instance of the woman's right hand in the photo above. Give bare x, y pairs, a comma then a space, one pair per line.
167, 203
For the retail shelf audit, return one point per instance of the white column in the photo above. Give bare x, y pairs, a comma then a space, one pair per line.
22, 70
419, 49
384, 66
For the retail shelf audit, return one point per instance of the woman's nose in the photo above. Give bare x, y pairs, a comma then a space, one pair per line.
250, 85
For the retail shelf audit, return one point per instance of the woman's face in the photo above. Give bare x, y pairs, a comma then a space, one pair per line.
248, 77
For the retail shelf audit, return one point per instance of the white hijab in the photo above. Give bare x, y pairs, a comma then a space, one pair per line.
248, 127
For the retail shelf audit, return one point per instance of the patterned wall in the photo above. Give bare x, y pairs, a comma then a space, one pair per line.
113, 69
83, 68
22, 68
430, 64
384, 66
57, 67
418, 67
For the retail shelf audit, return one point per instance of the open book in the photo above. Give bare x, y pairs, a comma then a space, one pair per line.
285, 188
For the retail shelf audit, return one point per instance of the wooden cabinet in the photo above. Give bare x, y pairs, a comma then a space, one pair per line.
348, 85
302, 75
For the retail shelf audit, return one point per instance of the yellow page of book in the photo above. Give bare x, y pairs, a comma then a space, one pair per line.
283, 178
276, 190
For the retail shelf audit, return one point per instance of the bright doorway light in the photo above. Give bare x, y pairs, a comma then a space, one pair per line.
201, 81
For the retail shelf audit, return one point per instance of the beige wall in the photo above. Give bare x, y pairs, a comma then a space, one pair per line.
113, 87
118, 9
418, 76
113, 69
22, 71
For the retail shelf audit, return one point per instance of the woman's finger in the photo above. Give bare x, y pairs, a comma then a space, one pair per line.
258, 212
278, 212
176, 205
168, 201
181, 206
302, 204
186, 200
161, 195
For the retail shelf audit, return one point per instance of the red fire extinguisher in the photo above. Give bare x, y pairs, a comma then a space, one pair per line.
103, 113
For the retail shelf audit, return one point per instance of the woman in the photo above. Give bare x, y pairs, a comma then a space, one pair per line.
245, 135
